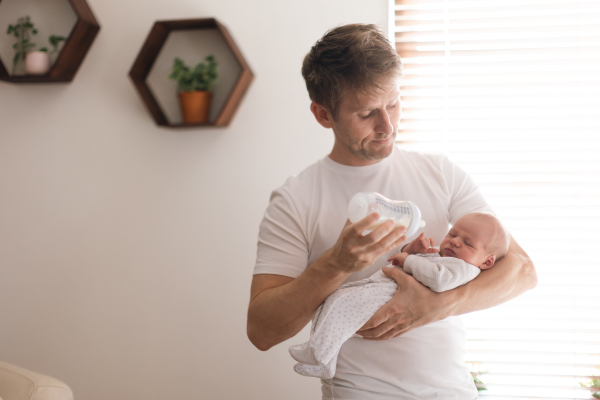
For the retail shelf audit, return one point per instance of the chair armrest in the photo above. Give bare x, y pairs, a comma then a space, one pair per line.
18, 383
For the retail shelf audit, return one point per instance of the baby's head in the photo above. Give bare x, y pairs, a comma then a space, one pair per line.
477, 238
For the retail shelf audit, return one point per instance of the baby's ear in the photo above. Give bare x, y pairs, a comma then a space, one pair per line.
489, 262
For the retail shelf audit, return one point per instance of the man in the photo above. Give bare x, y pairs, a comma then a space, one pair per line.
413, 347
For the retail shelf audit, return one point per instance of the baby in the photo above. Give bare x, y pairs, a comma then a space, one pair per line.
474, 243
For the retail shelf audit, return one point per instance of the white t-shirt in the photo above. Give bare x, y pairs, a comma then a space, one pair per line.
304, 219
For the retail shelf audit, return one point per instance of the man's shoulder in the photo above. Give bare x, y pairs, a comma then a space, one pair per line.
303, 179
298, 188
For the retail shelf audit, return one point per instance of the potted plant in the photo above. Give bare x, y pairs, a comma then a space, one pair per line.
35, 62
22, 32
38, 62
193, 86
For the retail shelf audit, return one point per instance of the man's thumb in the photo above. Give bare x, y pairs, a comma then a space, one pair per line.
396, 274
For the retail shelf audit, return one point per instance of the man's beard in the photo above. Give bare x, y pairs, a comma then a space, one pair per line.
373, 154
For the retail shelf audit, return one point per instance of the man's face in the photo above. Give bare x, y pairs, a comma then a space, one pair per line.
366, 126
467, 240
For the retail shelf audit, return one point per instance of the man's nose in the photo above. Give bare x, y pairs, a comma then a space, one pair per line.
384, 123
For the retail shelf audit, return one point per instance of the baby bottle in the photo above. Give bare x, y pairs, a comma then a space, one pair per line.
404, 213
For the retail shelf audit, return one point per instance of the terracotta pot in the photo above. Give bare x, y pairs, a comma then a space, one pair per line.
37, 62
195, 106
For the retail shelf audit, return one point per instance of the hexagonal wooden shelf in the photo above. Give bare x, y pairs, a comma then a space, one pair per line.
150, 51
73, 52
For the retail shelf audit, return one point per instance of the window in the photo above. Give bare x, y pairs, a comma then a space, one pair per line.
510, 91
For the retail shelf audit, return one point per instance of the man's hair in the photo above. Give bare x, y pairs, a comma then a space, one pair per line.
349, 58
499, 244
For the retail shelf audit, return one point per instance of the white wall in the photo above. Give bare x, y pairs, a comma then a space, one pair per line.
126, 250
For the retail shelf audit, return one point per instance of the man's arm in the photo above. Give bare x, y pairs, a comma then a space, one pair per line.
512, 276
414, 305
281, 306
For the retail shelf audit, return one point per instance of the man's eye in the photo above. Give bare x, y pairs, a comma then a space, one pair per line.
393, 105
366, 116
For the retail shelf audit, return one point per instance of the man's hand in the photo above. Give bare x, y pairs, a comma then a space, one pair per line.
281, 306
398, 259
412, 306
354, 252
420, 245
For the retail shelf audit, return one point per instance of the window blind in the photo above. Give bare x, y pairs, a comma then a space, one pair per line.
510, 91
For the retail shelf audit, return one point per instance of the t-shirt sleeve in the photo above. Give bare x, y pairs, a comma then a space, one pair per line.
282, 244
465, 196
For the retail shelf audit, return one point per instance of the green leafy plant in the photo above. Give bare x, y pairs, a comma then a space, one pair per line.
477, 380
477, 369
200, 78
55, 41
592, 383
22, 31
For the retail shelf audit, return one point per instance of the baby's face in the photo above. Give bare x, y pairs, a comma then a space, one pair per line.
466, 240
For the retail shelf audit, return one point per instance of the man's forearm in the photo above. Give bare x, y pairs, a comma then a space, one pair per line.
511, 276
281, 306
278, 313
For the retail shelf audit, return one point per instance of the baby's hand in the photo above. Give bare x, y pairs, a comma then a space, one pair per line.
398, 259
421, 245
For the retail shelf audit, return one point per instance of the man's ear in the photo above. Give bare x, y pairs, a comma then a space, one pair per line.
489, 262
322, 115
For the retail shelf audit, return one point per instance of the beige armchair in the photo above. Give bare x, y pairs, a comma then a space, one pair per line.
17, 383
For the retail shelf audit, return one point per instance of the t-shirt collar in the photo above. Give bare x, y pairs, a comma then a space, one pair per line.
365, 170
